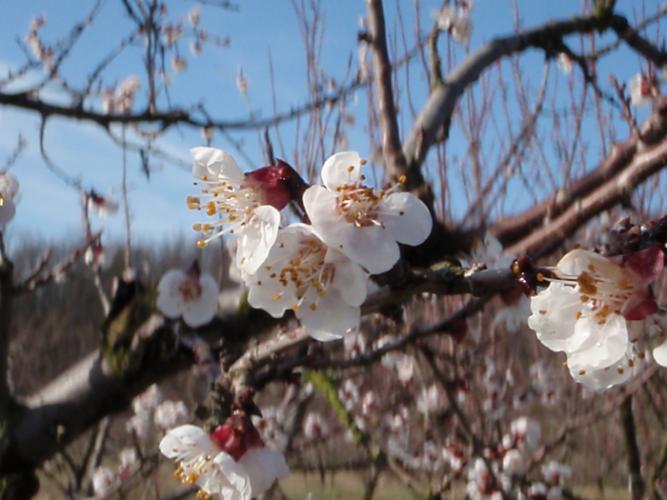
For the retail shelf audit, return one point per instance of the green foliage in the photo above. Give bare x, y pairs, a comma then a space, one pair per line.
327, 387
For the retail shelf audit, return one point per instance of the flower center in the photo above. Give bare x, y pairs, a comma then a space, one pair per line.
605, 288
233, 204
190, 289
306, 271
359, 204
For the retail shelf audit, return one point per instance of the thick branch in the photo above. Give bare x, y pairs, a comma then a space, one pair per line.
391, 143
653, 132
439, 107
611, 192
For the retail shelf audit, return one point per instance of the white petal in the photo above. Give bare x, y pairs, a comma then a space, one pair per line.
169, 299
256, 239
554, 314
603, 378
340, 169
373, 247
200, 311
186, 441
267, 294
406, 217
236, 476
320, 205
599, 345
263, 467
219, 163
660, 354
349, 279
331, 318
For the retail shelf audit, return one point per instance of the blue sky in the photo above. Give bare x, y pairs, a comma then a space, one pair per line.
49, 209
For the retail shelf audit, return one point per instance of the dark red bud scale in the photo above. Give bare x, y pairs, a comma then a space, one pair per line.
279, 184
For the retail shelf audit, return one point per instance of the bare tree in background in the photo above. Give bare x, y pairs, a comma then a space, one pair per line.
443, 365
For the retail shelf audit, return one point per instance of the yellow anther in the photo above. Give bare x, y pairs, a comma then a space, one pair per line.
350, 168
402, 179
196, 227
277, 296
201, 243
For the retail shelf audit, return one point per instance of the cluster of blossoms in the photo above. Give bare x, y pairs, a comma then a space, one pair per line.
455, 20
120, 99
502, 470
151, 413
105, 480
320, 270
231, 461
598, 311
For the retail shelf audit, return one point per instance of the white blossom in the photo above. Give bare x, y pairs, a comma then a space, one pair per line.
642, 90
103, 481
363, 223
238, 202
585, 311
555, 472
514, 463
192, 295
147, 400
129, 462
430, 400
455, 21
526, 434
202, 461
139, 425
564, 63
194, 15
321, 285
169, 414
